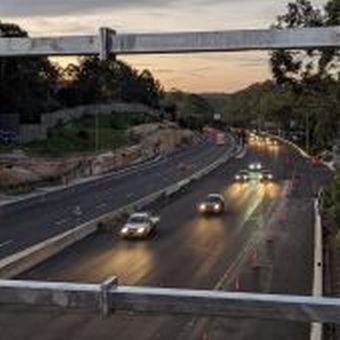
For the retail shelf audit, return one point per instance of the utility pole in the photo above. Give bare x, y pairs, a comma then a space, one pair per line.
307, 131
96, 133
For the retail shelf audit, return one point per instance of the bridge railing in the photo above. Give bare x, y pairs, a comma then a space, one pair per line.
109, 297
109, 42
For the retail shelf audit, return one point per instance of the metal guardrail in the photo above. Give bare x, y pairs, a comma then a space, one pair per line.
109, 42
109, 297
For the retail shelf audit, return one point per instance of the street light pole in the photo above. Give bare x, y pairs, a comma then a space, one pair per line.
96, 133
307, 131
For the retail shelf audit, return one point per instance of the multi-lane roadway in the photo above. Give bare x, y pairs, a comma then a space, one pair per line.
33, 220
262, 243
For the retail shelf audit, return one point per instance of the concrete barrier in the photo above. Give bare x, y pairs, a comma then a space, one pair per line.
316, 329
20, 262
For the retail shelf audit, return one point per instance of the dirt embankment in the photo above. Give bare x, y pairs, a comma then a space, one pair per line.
26, 174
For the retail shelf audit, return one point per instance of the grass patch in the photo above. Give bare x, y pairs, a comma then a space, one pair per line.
79, 136
331, 202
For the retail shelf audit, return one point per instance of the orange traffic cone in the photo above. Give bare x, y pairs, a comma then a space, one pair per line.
205, 336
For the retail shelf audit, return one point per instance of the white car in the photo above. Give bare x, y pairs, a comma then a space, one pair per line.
139, 225
242, 176
213, 204
271, 142
257, 166
266, 176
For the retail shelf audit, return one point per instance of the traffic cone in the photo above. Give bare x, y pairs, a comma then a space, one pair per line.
205, 336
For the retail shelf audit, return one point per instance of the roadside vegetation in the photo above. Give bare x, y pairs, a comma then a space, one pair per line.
331, 204
89, 134
303, 96
190, 111
32, 86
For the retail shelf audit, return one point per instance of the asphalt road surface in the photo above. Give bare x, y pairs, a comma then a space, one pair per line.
34, 220
263, 243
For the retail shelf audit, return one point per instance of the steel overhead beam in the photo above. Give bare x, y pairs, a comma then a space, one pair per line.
108, 42
54, 46
109, 297
226, 41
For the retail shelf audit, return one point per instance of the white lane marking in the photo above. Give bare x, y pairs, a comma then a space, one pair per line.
316, 328
236, 265
100, 206
242, 154
63, 221
6, 243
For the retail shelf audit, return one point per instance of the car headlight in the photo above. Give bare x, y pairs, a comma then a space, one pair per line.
203, 207
270, 176
252, 166
260, 176
125, 230
141, 230
217, 207
237, 177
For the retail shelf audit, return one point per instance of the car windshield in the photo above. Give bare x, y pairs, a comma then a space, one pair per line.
137, 219
213, 199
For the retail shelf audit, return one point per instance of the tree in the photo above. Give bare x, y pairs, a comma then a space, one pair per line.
189, 110
299, 66
96, 81
310, 75
27, 84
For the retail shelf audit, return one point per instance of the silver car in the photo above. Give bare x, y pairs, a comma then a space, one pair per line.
139, 225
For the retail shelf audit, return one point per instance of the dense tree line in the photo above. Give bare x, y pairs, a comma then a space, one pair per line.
310, 79
305, 91
33, 85
189, 110
27, 85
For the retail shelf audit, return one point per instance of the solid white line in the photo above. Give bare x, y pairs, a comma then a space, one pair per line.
242, 154
63, 221
6, 243
100, 206
316, 328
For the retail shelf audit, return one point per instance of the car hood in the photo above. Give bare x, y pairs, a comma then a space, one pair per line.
210, 204
135, 226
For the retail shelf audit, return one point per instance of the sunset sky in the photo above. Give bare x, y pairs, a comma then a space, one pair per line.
196, 73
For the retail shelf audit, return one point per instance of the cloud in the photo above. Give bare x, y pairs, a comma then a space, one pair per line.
53, 8
50, 8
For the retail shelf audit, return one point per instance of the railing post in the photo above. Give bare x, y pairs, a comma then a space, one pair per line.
105, 42
110, 283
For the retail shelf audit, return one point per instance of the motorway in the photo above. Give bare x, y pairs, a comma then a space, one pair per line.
263, 243
30, 221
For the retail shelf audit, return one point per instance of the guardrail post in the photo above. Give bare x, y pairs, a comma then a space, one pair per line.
105, 42
112, 282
